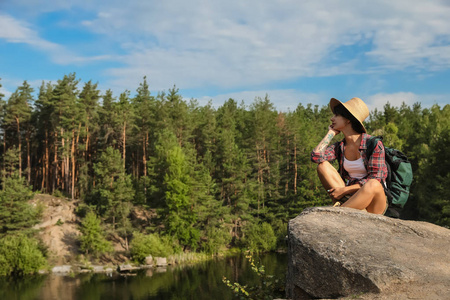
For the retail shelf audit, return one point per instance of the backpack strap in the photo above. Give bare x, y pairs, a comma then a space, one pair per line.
371, 144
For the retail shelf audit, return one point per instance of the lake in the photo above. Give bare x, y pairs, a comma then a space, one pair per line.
201, 281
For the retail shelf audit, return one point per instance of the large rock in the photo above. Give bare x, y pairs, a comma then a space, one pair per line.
149, 260
62, 269
127, 268
160, 261
337, 252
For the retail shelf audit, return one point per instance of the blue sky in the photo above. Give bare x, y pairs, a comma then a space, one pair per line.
294, 51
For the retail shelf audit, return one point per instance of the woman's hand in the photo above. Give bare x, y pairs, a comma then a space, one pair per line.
336, 132
337, 193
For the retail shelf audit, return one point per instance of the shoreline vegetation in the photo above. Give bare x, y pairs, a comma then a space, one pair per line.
159, 175
129, 267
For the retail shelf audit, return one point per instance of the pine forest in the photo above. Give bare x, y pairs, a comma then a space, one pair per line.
209, 178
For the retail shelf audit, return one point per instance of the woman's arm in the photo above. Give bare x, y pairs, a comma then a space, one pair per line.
322, 152
325, 141
338, 193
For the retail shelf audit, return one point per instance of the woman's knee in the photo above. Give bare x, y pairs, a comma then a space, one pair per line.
374, 186
378, 203
323, 167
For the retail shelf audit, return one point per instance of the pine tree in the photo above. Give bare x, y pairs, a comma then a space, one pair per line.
181, 217
18, 113
43, 126
92, 237
16, 214
205, 133
89, 99
232, 168
178, 121
113, 193
2, 121
65, 114
144, 106
107, 120
263, 150
123, 110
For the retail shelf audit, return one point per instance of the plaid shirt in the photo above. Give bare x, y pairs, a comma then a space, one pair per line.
375, 166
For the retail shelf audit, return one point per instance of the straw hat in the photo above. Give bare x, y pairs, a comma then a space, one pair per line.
355, 106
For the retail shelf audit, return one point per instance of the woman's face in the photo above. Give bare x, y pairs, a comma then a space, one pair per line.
338, 122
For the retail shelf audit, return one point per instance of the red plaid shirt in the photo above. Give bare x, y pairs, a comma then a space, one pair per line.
375, 166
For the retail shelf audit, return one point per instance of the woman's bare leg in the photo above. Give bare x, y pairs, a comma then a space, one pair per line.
370, 197
329, 176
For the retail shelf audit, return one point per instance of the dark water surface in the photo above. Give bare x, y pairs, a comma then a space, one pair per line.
201, 281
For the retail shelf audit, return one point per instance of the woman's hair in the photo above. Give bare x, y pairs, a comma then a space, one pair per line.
342, 111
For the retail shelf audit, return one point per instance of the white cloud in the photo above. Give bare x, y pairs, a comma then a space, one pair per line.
16, 31
234, 44
5, 93
237, 44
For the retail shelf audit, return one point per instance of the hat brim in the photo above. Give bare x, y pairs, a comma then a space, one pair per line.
335, 102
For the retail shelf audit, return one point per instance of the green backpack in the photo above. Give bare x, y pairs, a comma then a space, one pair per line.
399, 179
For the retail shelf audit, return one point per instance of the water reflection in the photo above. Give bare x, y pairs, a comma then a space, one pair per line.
27, 288
202, 281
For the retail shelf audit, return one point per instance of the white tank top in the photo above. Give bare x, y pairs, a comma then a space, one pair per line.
355, 168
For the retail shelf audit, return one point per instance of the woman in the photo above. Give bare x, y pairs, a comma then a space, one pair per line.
364, 176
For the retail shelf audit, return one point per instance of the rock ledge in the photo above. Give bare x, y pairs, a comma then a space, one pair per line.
339, 252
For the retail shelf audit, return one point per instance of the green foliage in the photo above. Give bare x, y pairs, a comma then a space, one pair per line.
152, 244
92, 239
114, 191
16, 213
390, 136
181, 217
206, 176
259, 237
20, 255
216, 238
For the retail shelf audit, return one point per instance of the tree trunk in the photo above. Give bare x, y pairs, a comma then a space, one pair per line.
144, 154
124, 136
46, 181
28, 157
20, 146
55, 164
4, 151
75, 174
286, 188
63, 163
87, 143
73, 164
295, 165
137, 164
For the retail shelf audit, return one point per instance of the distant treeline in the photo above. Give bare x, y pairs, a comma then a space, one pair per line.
207, 177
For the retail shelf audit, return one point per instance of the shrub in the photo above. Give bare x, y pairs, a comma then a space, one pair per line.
92, 239
152, 244
259, 237
216, 238
280, 230
20, 255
